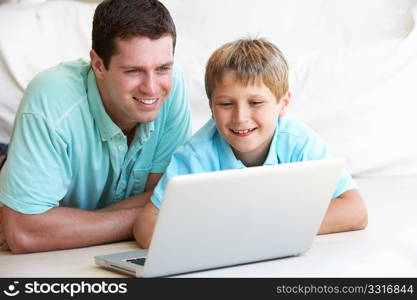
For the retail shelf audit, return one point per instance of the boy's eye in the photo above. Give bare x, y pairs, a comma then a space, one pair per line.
225, 104
256, 102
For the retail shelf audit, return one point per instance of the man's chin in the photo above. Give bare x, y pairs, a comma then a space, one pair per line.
147, 118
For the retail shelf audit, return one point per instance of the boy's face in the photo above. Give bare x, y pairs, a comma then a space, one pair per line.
138, 79
246, 116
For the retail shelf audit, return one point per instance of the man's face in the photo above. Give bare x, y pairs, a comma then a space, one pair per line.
246, 116
138, 79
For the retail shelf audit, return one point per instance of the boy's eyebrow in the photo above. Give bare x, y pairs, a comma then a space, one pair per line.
257, 96
230, 97
222, 97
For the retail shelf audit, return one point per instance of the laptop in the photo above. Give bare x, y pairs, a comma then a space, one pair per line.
227, 218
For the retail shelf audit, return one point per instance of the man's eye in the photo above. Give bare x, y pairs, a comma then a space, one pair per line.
132, 71
164, 69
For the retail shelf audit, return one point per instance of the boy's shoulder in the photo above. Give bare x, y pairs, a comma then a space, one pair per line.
199, 153
202, 139
296, 141
294, 128
204, 135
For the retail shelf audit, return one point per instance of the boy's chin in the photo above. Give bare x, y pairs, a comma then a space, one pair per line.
243, 150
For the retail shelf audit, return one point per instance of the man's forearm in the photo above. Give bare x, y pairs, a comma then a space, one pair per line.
136, 201
3, 242
64, 228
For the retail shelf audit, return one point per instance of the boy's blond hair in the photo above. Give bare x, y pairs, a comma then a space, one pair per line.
253, 61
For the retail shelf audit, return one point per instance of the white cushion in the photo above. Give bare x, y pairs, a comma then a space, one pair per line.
33, 37
349, 61
352, 63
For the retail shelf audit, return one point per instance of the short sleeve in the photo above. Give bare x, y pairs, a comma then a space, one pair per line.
37, 171
314, 149
183, 162
177, 127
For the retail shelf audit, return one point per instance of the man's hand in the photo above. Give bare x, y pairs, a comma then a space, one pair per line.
3, 242
65, 228
137, 201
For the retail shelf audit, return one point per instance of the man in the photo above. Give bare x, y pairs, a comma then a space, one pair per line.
91, 140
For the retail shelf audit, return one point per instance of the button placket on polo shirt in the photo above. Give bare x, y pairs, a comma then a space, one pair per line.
126, 154
121, 149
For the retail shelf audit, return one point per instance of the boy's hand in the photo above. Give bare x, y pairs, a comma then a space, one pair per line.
3, 242
145, 224
345, 213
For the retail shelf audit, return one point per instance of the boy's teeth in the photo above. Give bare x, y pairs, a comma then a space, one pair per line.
242, 131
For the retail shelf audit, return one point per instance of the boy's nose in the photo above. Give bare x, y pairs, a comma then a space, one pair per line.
240, 114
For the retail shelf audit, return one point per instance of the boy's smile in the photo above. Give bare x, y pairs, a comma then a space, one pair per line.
246, 116
243, 132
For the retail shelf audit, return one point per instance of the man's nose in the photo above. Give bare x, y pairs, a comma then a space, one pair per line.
148, 85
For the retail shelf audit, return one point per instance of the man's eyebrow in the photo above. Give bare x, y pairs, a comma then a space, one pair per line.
168, 64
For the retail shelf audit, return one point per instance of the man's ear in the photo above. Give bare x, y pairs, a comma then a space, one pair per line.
283, 104
97, 64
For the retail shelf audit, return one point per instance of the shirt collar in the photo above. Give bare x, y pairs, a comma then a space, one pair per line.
105, 124
272, 157
228, 159
143, 132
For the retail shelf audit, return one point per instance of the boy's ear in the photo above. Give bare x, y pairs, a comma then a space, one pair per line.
97, 64
283, 104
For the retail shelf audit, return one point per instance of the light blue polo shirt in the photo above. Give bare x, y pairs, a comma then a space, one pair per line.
208, 151
65, 150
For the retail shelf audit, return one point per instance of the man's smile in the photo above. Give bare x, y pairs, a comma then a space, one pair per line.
147, 101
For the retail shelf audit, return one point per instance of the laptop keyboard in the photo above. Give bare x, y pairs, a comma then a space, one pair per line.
139, 261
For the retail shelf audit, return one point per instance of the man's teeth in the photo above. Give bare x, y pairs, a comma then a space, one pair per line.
145, 101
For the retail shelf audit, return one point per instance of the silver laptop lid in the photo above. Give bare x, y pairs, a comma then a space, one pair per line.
231, 217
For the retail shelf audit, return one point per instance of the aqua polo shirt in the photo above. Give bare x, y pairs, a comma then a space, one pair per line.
65, 150
208, 151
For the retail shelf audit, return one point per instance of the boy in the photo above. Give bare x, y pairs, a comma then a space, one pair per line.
247, 87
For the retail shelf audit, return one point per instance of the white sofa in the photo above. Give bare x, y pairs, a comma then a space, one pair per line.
353, 63
353, 79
